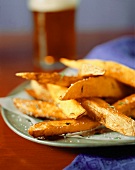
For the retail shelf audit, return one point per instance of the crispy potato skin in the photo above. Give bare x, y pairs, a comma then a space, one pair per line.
39, 109
39, 91
107, 115
113, 69
100, 86
120, 72
126, 105
52, 128
71, 108
54, 78
40, 96
81, 102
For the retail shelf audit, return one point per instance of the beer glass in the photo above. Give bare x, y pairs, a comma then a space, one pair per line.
54, 32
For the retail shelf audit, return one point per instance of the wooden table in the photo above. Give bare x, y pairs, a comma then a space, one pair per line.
17, 152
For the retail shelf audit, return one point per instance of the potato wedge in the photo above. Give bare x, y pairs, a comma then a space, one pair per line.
100, 86
113, 69
88, 70
107, 115
120, 72
71, 108
39, 109
39, 91
52, 128
77, 64
126, 105
100, 93
56, 91
54, 78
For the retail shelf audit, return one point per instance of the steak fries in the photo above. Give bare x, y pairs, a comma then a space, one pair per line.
40, 109
112, 69
100, 86
54, 78
108, 116
102, 93
53, 128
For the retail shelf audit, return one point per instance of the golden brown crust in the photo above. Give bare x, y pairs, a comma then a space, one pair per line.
71, 108
107, 115
39, 109
52, 128
100, 86
72, 97
41, 91
77, 64
36, 96
126, 105
56, 91
54, 78
113, 69
120, 72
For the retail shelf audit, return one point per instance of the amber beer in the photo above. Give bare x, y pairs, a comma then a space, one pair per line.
54, 32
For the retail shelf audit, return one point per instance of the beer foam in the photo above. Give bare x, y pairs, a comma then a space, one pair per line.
52, 5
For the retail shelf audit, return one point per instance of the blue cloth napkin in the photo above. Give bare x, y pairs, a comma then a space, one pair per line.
120, 50
87, 162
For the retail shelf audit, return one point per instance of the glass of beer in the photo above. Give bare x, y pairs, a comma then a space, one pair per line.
54, 32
